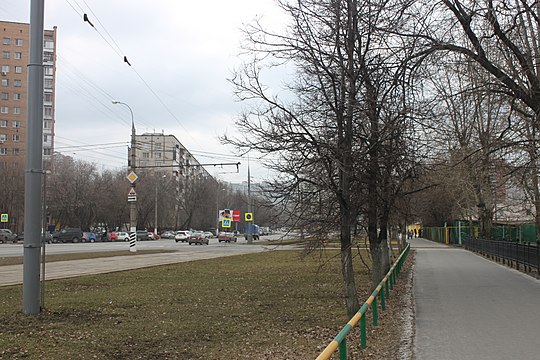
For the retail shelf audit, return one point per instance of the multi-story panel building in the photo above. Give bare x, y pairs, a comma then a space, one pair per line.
14, 47
160, 151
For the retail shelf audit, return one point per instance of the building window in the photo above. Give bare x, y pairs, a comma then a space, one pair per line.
47, 151
46, 124
17, 83
47, 83
4, 110
145, 155
5, 69
47, 112
5, 41
15, 151
48, 56
157, 154
45, 137
3, 151
17, 110
5, 82
18, 69
16, 124
48, 44
3, 137
5, 54
48, 70
17, 56
18, 42
47, 97
5, 96
16, 96
3, 123
16, 137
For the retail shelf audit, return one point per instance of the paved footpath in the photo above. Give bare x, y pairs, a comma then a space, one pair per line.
13, 274
469, 308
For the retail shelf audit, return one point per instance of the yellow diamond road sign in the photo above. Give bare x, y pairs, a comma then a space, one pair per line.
132, 177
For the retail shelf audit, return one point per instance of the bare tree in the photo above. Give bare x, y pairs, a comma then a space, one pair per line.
502, 38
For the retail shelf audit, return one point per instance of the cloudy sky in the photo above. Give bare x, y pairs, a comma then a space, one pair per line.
181, 54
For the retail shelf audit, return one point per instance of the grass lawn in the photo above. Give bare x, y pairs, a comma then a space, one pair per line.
272, 305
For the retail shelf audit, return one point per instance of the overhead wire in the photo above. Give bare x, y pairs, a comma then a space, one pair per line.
118, 51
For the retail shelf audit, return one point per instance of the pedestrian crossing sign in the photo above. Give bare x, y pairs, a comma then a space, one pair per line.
4, 218
226, 223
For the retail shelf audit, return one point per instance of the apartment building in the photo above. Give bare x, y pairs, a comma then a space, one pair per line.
165, 152
14, 47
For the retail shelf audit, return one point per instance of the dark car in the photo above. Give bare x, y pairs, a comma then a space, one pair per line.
142, 235
197, 237
73, 235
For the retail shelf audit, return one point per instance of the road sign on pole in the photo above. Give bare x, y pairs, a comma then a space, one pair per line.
4, 218
248, 216
226, 223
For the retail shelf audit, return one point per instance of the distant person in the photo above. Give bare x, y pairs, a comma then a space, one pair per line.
415, 233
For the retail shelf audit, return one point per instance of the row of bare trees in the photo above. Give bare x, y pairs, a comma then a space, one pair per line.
78, 195
398, 111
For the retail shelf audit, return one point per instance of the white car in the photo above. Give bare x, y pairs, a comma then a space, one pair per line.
122, 236
182, 235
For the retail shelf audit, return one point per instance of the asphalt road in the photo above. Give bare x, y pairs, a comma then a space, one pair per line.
13, 274
468, 307
7, 250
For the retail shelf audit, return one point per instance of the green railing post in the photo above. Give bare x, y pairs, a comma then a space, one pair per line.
375, 311
343, 349
363, 336
383, 301
386, 288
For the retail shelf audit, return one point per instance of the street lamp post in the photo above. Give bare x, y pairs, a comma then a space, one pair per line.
132, 204
156, 206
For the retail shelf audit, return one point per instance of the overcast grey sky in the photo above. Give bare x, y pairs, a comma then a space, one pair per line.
181, 52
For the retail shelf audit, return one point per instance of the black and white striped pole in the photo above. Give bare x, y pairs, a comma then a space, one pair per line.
132, 177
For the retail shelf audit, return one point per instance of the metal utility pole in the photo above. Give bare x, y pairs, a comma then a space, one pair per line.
250, 223
132, 177
156, 207
34, 165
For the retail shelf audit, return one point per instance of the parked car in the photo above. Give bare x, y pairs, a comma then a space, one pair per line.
122, 236
182, 235
142, 235
208, 234
68, 235
7, 236
168, 234
153, 236
227, 237
111, 236
89, 236
197, 238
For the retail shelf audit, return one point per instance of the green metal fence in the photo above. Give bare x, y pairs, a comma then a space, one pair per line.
459, 230
379, 295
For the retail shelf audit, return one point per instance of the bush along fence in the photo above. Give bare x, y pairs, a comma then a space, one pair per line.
380, 294
522, 256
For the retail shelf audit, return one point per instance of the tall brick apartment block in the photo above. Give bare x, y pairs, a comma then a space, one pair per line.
14, 51
14, 47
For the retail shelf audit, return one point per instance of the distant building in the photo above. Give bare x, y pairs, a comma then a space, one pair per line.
165, 152
14, 46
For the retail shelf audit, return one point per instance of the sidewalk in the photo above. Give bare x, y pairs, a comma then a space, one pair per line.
13, 274
468, 307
